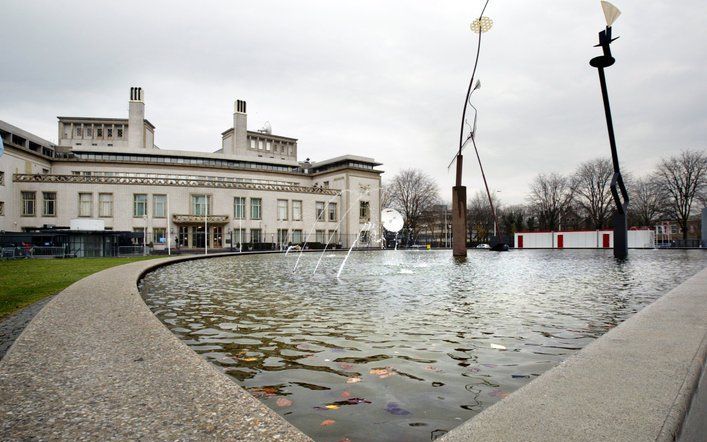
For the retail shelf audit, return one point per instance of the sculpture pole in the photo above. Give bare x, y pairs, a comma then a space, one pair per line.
480, 25
617, 182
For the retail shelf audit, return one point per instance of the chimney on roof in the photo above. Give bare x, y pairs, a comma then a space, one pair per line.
240, 128
136, 119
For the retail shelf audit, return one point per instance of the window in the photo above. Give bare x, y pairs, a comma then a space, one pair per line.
159, 206
78, 131
2, 208
239, 207
158, 235
333, 236
297, 236
198, 205
238, 236
109, 132
296, 210
105, 205
138, 235
332, 211
28, 203
85, 204
260, 144
99, 132
256, 235
319, 211
49, 203
252, 144
89, 132
255, 206
2, 178
320, 237
282, 236
364, 211
139, 205
268, 146
282, 210
120, 133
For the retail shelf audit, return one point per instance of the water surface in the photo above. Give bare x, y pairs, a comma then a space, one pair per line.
406, 345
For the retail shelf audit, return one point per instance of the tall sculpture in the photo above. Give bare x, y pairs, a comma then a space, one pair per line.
611, 13
479, 26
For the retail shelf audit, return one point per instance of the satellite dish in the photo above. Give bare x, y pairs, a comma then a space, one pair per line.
611, 12
392, 220
266, 129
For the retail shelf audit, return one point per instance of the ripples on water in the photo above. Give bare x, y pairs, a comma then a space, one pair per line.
407, 344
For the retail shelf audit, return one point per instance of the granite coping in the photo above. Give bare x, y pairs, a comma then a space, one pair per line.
96, 364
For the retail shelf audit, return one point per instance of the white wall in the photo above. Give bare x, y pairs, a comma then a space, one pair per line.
583, 239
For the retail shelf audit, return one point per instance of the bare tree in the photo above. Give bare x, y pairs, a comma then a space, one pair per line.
413, 193
681, 179
550, 198
481, 216
512, 220
592, 195
646, 202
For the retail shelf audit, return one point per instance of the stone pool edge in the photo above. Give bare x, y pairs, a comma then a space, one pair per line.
634, 383
96, 363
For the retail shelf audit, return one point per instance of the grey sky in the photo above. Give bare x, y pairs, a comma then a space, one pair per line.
373, 78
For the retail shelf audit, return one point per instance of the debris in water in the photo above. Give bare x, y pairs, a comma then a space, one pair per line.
283, 402
327, 422
498, 347
394, 408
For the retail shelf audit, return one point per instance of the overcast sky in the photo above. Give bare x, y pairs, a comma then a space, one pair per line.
384, 79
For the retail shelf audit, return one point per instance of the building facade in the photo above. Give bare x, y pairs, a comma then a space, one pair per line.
107, 173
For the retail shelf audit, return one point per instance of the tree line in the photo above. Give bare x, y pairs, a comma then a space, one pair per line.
581, 200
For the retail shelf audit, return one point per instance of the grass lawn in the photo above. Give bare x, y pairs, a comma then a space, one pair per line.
24, 281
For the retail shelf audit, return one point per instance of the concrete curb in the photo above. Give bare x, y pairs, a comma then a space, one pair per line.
96, 364
635, 383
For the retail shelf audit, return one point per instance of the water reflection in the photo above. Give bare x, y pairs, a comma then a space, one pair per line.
406, 345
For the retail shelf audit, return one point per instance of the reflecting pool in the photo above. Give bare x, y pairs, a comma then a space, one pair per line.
406, 345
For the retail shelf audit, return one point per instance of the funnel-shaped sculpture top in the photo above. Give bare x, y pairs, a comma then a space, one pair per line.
611, 12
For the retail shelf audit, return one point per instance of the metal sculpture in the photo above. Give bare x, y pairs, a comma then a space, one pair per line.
611, 13
479, 26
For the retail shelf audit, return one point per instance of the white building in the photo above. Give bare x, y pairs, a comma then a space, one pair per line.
589, 239
253, 189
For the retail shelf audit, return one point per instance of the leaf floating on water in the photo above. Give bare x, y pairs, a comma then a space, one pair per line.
394, 408
520, 376
345, 394
383, 372
327, 422
283, 402
263, 391
338, 404
433, 368
345, 366
497, 392
498, 347
354, 380
250, 359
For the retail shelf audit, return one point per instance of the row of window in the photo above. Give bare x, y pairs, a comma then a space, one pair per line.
267, 145
199, 206
88, 131
163, 159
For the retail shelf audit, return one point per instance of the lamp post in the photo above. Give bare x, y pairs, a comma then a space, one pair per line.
605, 60
479, 26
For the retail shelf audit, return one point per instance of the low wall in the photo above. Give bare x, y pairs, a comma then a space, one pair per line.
95, 363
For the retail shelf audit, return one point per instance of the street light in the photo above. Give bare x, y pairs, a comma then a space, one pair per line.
611, 13
478, 26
